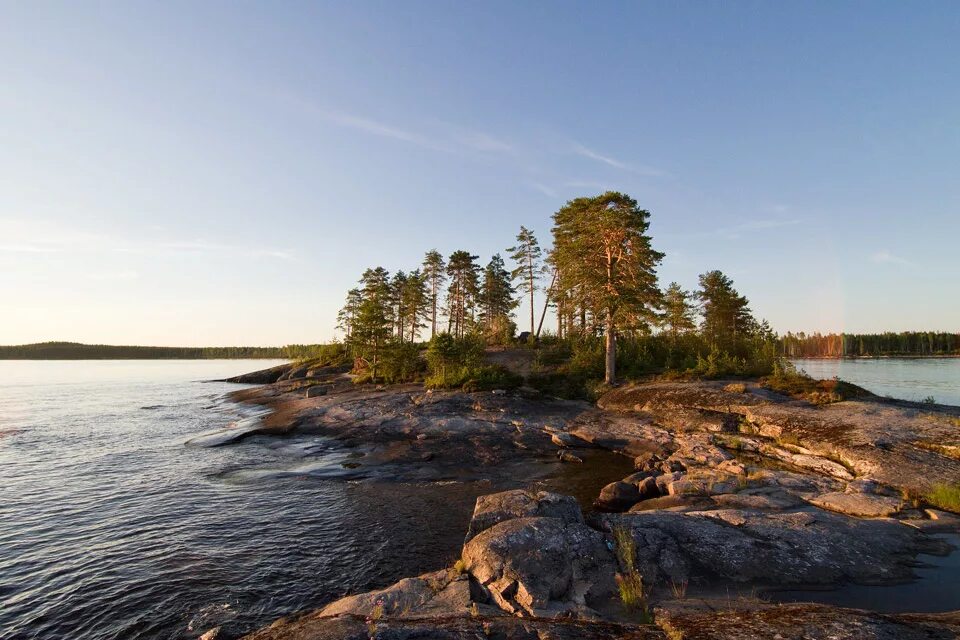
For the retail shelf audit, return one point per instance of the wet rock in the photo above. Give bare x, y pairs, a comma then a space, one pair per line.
211, 634
648, 489
861, 505
618, 496
507, 505
566, 456
563, 439
544, 567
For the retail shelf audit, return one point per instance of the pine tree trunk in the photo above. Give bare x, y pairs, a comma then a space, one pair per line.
433, 328
611, 340
532, 314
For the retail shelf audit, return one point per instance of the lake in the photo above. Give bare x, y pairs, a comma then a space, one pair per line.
110, 527
902, 378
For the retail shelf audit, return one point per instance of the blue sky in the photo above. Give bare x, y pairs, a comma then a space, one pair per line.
221, 172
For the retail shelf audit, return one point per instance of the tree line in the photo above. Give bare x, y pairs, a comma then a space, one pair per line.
602, 274
78, 351
859, 345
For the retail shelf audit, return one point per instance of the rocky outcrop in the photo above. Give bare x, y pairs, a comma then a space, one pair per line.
508, 505
798, 547
545, 567
722, 487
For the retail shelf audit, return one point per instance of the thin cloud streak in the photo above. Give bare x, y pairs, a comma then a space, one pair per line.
653, 172
544, 189
375, 128
885, 257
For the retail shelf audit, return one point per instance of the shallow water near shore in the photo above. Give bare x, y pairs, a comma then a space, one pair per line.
902, 378
935, 589
110, 527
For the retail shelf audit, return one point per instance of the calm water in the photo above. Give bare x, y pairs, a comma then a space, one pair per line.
902, 378
111, 528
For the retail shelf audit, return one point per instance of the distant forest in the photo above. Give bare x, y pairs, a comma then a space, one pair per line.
870, 345
77, 351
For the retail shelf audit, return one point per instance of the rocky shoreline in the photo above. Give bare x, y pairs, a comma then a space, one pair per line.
733, 490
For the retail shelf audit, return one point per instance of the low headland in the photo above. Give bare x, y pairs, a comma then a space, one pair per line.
731, 489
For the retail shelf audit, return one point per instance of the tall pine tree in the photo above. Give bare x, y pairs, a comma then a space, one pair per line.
528, 258
606, 260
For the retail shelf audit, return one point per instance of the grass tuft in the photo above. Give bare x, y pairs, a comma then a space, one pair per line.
944, 496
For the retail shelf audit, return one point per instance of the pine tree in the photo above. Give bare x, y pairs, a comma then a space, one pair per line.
373, 325
433, 271
677, 311
496, 301
348, 313
462, 291
415, 303
606, 261
527, 256
398, 288
726, 314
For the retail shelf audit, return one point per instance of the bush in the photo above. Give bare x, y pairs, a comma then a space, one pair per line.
483, 378
455, 363
401, 362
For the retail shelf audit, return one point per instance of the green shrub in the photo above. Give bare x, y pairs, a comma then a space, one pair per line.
401, 363
483, 378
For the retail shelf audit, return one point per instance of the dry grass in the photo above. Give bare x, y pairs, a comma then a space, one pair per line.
679, 589
735, 387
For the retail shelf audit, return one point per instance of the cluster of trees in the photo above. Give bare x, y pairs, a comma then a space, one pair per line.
602, 270
78, 351
854, 345
387, 311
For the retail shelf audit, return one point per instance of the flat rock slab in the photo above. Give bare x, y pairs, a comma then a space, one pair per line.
497, 507
807, 622
453, 628
798, 547
242, 429
860, 505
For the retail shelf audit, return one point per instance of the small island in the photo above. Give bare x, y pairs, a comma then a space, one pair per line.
718, 477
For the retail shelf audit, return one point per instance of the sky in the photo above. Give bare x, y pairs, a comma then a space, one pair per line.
220, 173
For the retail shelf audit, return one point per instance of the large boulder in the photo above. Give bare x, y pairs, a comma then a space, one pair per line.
544, 567
618, 496
507, 505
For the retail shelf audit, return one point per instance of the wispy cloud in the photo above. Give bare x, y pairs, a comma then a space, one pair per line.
544, 189
373, 127
885, 257
438, 136
653, 172
32, 236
